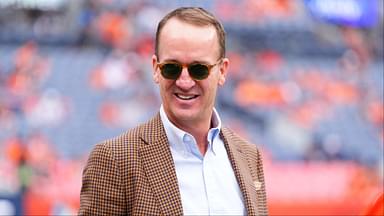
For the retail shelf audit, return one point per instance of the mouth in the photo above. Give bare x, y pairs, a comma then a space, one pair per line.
185, 97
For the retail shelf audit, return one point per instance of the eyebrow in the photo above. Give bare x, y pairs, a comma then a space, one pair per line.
193, 62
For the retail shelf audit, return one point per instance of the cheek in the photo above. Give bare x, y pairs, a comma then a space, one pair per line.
165, 86
210, 88
214, 82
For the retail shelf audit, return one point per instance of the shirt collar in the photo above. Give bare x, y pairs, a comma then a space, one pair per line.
178, 138
214, 131
174, 134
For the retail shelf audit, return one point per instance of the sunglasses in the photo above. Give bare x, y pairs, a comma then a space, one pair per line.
197, 71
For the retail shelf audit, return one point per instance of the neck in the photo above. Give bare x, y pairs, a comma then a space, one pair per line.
199, 131
201, 138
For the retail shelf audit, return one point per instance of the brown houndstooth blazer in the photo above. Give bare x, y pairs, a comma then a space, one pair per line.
134, 174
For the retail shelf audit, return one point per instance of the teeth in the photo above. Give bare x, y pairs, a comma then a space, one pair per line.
185, 97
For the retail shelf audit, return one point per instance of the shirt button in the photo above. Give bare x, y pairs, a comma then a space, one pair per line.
187, 139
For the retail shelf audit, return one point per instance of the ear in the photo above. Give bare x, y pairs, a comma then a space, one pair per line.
156, 72
223, 71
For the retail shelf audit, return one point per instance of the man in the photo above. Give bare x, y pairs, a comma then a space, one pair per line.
182, 161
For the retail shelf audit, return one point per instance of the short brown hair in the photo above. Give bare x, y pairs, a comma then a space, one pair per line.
196, 16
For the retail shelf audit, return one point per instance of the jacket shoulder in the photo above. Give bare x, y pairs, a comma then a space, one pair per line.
107, 186
236, 138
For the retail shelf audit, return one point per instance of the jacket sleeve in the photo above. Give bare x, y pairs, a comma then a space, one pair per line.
102, 191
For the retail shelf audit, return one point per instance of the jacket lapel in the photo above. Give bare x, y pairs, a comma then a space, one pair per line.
159, 167
242, 171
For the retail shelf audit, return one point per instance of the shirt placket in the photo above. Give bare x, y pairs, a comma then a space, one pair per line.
209, 179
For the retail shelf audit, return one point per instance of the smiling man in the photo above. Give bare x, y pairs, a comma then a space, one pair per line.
183, 161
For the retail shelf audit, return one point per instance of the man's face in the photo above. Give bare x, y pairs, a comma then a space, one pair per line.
187, 101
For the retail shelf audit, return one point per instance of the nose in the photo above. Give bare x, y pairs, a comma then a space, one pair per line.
185, 82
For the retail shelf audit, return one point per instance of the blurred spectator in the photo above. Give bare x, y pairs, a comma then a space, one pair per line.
114, 29
30, 70
116, 72
47, 109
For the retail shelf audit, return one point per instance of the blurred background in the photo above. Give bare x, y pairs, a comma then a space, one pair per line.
305, 85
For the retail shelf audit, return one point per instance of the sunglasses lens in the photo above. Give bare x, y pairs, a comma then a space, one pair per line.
171, 70
198, 71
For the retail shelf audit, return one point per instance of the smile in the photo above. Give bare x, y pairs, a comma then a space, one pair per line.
186, 97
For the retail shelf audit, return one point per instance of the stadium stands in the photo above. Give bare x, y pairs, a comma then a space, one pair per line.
300, 88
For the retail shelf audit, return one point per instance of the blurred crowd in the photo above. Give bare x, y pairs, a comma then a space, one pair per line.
57, 100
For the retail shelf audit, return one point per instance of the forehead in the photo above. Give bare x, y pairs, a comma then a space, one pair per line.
180, 39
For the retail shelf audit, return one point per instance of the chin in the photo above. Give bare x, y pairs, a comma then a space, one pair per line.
185, 115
